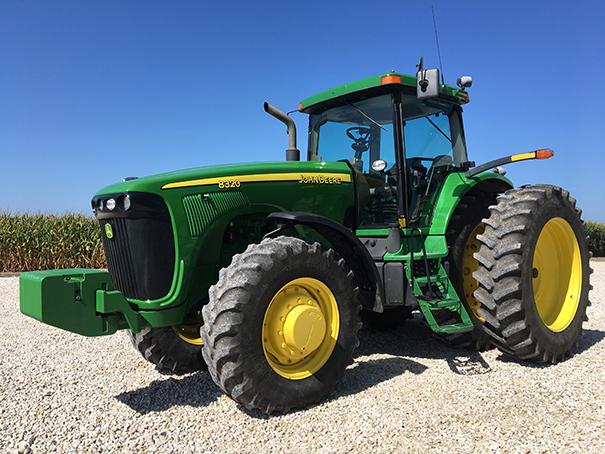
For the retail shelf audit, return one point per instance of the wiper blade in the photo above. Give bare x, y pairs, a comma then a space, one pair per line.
439, 129
366, 115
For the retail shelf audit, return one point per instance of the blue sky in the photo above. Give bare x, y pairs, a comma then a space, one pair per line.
92, 91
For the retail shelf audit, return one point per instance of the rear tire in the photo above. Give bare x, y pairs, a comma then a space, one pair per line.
534, 303
236, 332
169, 352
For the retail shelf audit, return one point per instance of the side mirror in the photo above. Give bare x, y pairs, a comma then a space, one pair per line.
427, 83
464, 82
379, 165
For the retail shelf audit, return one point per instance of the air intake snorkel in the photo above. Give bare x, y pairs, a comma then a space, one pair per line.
292, 153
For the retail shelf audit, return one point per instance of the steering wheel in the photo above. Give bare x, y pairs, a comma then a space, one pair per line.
360, 136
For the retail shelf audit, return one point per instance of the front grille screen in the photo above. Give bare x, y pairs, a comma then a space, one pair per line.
140, 255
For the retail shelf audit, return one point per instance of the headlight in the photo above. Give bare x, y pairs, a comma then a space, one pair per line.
126, 203
110, 204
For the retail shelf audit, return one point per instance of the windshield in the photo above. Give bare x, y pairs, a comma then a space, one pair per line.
360, 133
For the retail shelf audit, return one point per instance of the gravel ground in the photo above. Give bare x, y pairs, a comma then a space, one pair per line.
406, 392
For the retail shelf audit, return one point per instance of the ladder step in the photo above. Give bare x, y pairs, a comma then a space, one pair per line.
442, 304
456, 328
424, 280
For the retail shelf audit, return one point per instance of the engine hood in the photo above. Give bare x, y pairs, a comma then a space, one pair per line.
191, 177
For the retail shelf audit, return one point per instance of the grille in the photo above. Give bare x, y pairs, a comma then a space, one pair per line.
140, 254
119, 262
202, 209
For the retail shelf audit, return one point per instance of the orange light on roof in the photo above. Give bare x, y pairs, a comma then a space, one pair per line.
544, 154
390, 79
300, 106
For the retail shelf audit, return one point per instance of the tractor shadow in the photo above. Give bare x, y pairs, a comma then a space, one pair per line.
404, 346
415, 340
360, 376
195, 390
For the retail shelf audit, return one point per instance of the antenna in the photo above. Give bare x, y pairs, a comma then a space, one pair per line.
437, 41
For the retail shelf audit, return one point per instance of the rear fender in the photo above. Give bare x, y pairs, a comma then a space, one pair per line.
455, 188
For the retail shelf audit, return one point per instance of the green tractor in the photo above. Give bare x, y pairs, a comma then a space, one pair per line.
262, 272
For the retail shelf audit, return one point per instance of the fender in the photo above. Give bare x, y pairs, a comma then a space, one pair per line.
350, 249
455, 187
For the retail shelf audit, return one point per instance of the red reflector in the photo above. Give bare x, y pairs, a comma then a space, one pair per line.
544, 154
390, 80
300, 106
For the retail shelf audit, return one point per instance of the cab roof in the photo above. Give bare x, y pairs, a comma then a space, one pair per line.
391, 78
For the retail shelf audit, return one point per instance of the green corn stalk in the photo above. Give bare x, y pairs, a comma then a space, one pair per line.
42, 241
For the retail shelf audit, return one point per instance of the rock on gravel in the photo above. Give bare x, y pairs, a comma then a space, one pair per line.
406, 392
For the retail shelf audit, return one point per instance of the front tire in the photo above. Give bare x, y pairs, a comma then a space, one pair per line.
534, 273
281, 325
173, 350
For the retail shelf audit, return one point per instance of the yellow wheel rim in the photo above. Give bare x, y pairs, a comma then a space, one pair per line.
469, 266
557, 274
300, 328
189, 333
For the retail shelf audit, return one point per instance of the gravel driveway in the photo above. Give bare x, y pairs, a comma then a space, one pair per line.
406, 392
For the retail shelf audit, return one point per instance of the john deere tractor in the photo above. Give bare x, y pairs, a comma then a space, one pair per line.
262, 272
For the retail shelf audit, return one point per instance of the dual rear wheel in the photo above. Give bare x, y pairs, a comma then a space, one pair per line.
521, 267
533, 274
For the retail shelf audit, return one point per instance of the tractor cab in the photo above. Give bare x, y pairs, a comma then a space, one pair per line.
400, 146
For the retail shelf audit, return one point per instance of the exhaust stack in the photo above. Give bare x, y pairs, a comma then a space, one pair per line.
292, 153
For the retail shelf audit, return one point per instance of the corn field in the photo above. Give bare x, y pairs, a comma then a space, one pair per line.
41, 241
596, 238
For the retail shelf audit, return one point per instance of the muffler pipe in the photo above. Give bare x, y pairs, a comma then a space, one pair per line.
292, 153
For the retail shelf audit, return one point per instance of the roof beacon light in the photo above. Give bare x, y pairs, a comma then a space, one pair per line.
390, 79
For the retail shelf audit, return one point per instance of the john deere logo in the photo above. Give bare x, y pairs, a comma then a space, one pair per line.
108, 231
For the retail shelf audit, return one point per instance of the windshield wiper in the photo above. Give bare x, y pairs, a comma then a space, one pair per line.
439, 129
366, 115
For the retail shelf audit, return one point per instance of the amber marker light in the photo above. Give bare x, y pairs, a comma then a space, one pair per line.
300, 107
546, 153
390, 79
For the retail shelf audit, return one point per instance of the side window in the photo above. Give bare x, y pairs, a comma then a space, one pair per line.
428, 137
361, 133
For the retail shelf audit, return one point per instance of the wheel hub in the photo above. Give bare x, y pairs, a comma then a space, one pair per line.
304, 329
557, 274
300, 328
189, 333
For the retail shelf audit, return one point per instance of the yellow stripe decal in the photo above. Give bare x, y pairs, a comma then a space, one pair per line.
522, 156
235, 180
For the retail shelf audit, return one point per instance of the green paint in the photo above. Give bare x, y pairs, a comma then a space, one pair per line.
199, 231
440, 282
368, 83
67, 299
455, 187
372, 232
